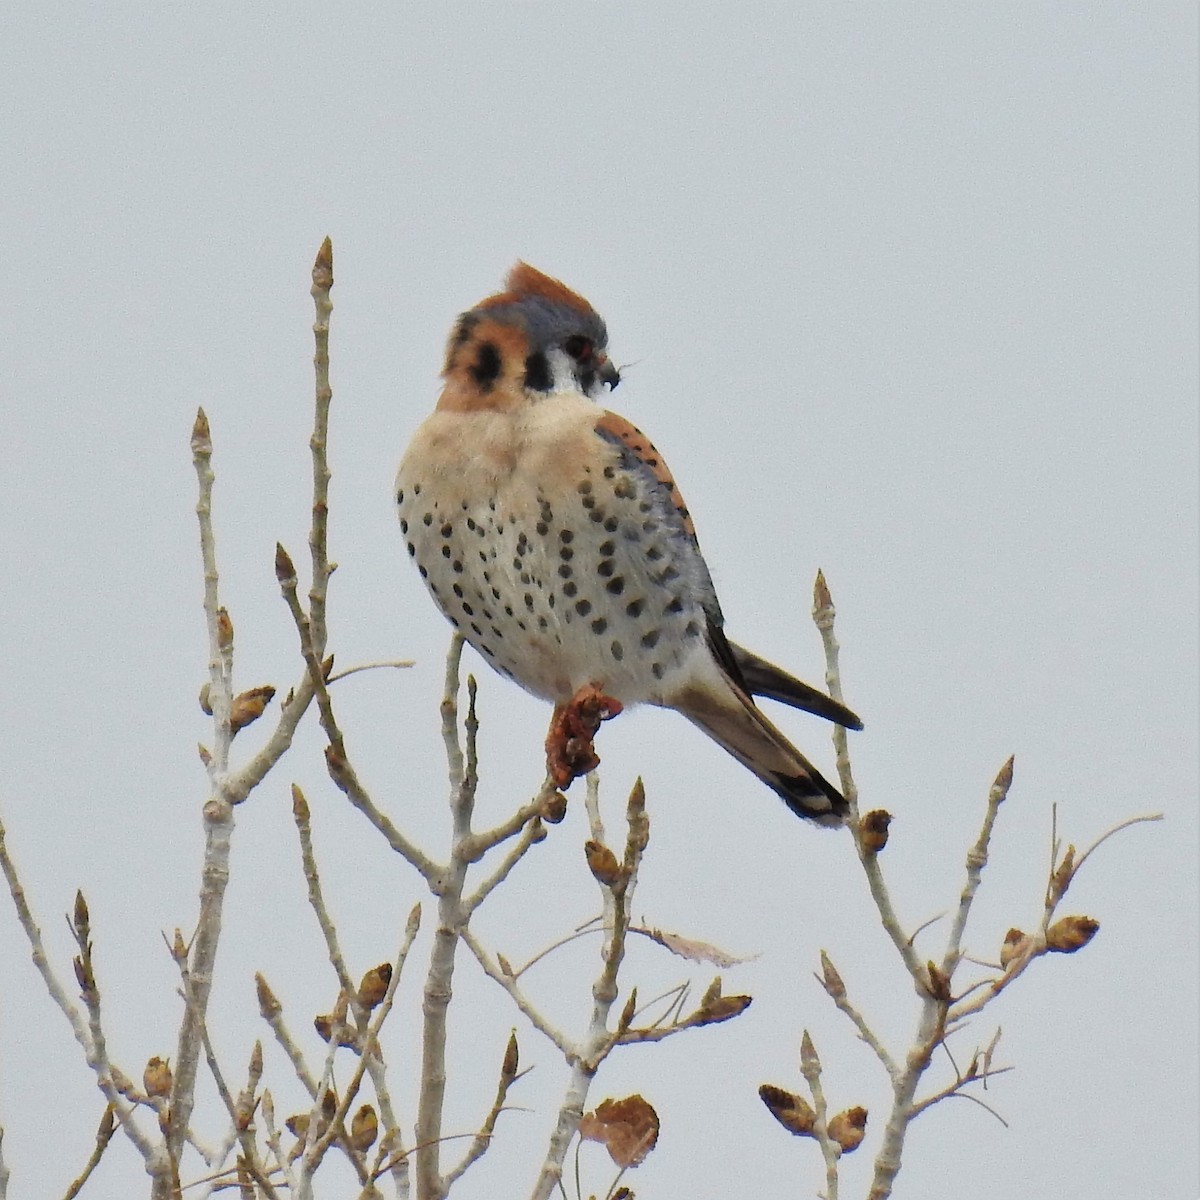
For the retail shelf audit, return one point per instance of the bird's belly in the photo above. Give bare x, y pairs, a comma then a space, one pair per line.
584, 590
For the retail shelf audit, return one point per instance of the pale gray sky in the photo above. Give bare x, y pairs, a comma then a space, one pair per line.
910, 293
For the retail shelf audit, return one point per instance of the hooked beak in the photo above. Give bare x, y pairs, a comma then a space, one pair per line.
609, 374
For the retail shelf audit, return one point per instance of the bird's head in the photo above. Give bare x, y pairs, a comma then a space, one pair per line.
535, 338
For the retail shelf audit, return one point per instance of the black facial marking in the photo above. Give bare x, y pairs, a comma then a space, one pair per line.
485, 370
537, 373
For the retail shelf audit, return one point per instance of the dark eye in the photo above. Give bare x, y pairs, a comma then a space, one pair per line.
578, 347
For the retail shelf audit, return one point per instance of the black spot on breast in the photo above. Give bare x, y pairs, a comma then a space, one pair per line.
691, 630
611, 524
403, 525
416, 489
607, 548
610, 472
570, 588
565, 536
589, 502
566, 553
495, 593
427, 519
657, 670
423, 570
676, 606
469, 611
606, 568
596, 514
471, 522
584, 487
653, 553
400, 496
542, 528
529, 601
650, 640
583, 607
537, 373
458, 567
485, 370
616, 585
496, 631
565, 571
599, 625
667, 575
634, 608
618, 651
478, 631
487, 649
550, 599
412, 550
447, 529
649, 526
458, 590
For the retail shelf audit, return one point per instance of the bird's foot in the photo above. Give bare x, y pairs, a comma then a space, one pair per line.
569, 749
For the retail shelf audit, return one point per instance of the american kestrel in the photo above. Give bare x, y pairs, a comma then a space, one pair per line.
552, 536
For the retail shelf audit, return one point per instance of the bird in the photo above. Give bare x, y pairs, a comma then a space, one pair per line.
551, 534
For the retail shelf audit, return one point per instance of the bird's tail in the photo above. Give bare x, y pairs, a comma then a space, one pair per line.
733, 721
763, 678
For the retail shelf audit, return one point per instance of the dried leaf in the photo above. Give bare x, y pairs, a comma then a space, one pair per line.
156, 1078
873, 830
831, 981
703, 952
627, 1128
1013, 945
364, 1129
848, 1128
793, 1112
724, 1008
602, 862
508, 1069
1070, 934
224, 629
374, 986
268, 1005
248, 706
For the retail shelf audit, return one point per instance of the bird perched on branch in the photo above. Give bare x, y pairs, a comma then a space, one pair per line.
552, 536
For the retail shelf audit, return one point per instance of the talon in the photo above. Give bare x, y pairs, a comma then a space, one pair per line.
569, 743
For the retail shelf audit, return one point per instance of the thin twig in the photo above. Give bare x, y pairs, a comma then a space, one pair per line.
369, 1050
810, 1068
104, 1134
483, 1139
371, 666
